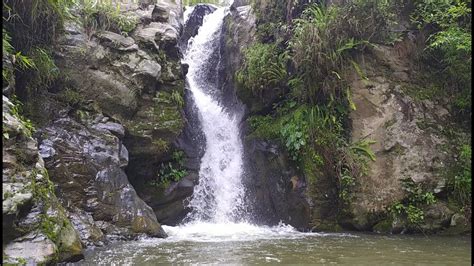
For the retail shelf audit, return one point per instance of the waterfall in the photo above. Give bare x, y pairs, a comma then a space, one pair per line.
219, 196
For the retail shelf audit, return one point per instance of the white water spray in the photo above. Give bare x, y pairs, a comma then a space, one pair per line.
219, 195
218, 208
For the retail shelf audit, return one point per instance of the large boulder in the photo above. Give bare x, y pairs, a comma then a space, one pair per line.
86, 159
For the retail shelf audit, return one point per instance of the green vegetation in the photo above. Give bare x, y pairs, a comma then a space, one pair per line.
46, 71
363, 148
72, 98
448, 58
34, 23
410, 208
301, 55
17, 111
305, 62
328, 36
448, 52
347, 182
29, 33
264, 67
18, 61
294, 133
171, 171
177, 99
460, 178
53, 221
105, 16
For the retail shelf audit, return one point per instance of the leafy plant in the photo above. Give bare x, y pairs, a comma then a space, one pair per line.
17, 110
104, 15
347, 182
72, 97
410, 206
36, 22
171, 171
264, 127
17, 60
326, 36
264, 68
177, 99
362, 147
460, 183
295, 139
449, 45
46, 71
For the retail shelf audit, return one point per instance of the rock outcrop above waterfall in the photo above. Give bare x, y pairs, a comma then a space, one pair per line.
193, 23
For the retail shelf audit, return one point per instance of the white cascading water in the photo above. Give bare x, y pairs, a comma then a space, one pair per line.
219, 195
218, 211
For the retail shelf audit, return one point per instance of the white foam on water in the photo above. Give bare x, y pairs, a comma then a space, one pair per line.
223, 232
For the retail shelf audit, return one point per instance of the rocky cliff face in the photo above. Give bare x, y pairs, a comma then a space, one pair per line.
406, 148
409, 149
133, 88
36, 228
103, 132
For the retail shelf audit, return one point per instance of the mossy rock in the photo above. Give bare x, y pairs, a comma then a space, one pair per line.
143, 224
70, 246
327, 227
54, 223
383, 227
459, 226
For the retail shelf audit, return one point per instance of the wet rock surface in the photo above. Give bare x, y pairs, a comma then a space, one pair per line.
86, 160
127, 113
274, 190
194, 22
35, 226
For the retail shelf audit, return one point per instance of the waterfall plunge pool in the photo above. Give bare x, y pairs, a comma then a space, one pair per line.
245, 244
220, 194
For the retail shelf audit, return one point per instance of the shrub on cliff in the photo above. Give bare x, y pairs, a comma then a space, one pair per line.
264, 68
30, 30
105, 16
449, 45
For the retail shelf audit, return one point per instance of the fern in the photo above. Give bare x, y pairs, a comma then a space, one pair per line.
363, 148
177, 99
359, 70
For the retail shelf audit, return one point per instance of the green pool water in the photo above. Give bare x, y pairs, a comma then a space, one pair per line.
244, 245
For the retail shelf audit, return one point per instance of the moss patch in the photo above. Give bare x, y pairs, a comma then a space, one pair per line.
383, 227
